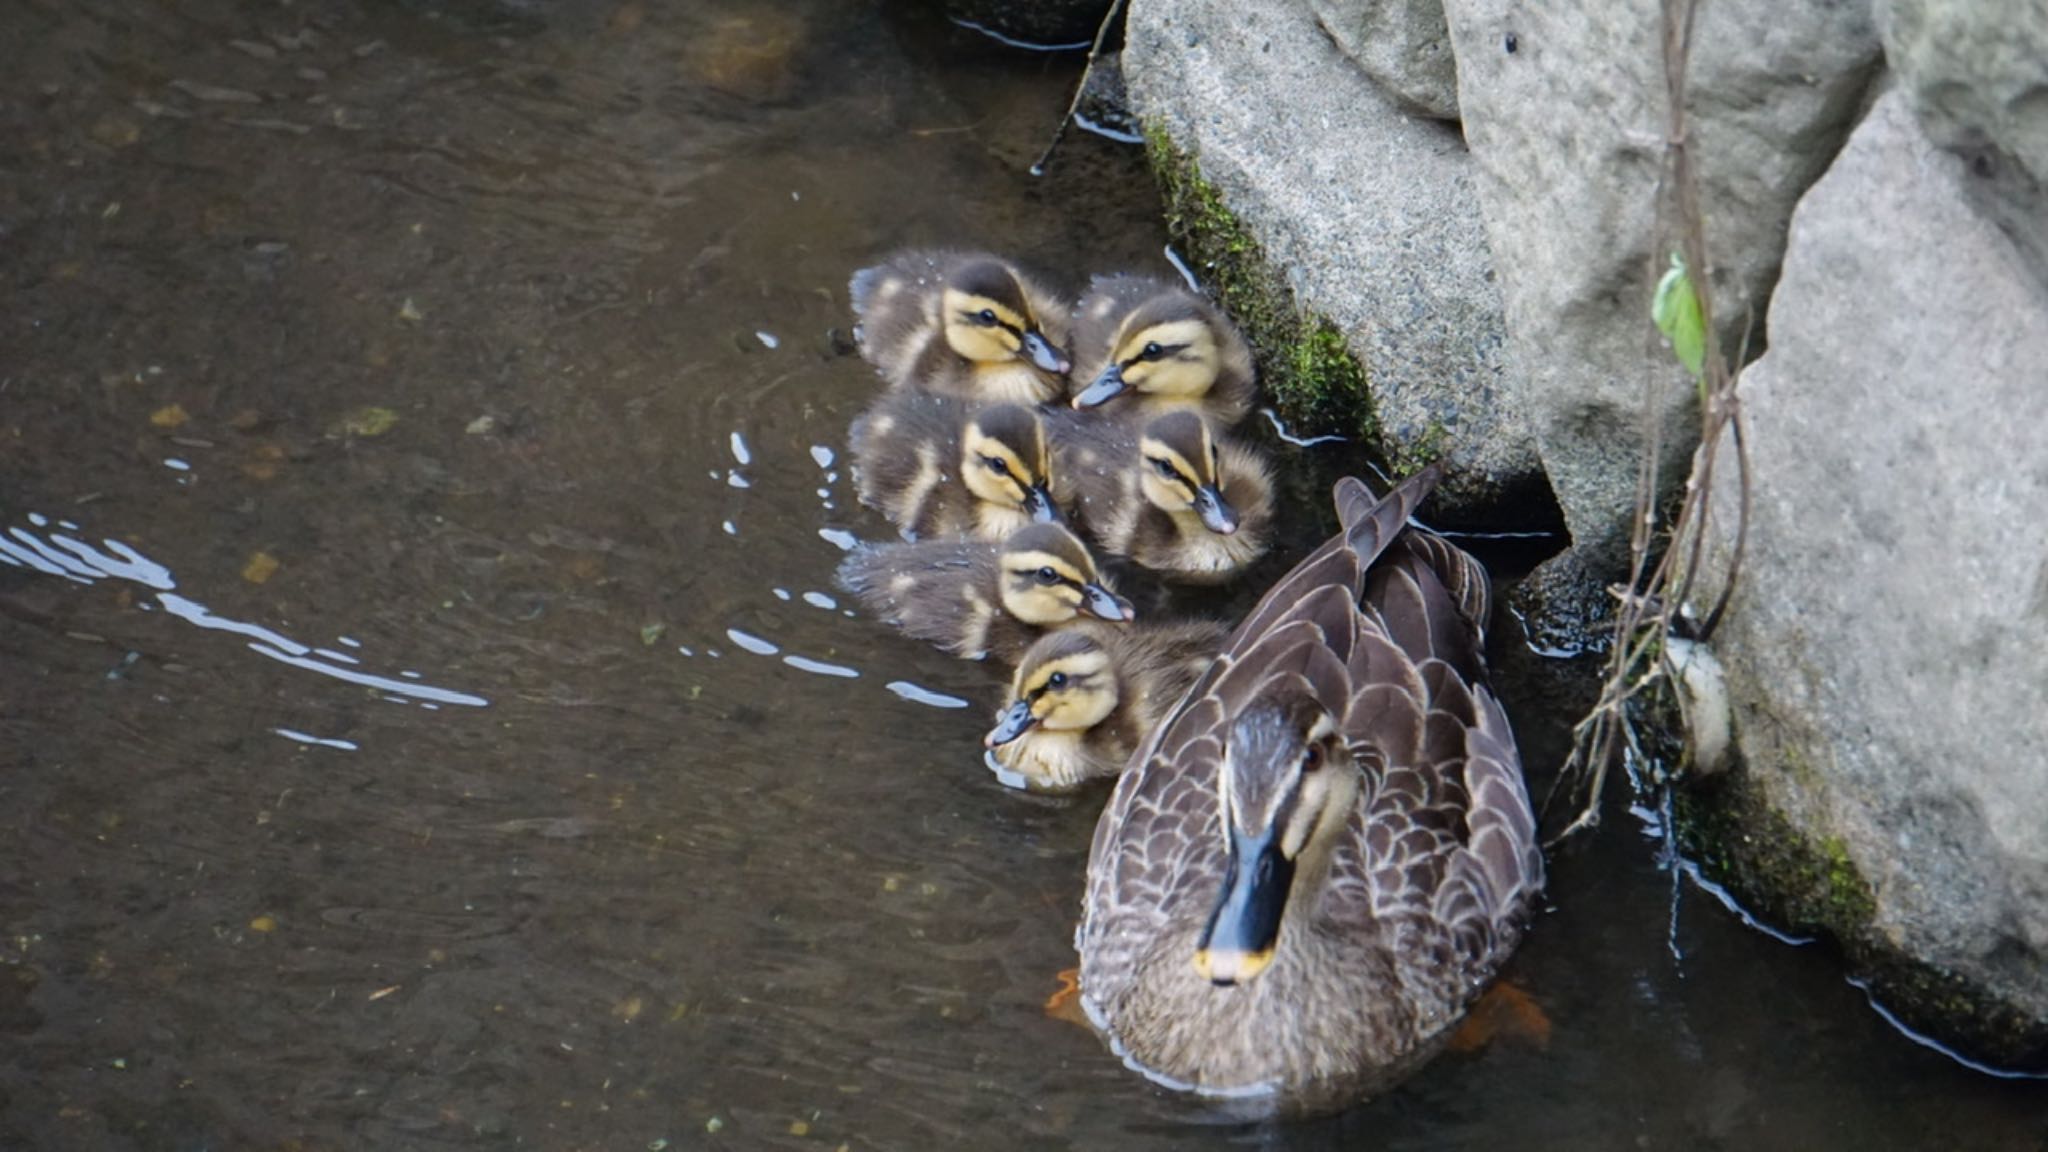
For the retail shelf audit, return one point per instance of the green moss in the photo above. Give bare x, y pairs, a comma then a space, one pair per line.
1312, 376
1813, 886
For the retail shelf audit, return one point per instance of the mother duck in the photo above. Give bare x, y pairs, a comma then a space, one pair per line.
1325, 852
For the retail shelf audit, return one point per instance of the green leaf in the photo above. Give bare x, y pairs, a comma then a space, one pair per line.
1676, 311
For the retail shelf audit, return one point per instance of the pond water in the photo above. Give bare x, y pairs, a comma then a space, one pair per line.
425, 717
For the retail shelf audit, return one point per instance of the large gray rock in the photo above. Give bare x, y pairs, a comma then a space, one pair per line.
1887, 648
1564, 110
1976, 72
1368, 213
1404, 45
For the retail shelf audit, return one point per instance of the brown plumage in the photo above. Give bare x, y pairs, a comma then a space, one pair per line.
940, 465
1144, 346
1167, 493
974, 598
1319, 859
962, 324
1083, 697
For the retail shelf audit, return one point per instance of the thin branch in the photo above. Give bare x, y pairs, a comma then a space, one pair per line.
1080, 88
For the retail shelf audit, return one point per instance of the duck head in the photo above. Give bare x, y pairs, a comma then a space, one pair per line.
1005, 460
1180, 470
1285, 786
989, 320
1167, 346
1048, 578
1065, 683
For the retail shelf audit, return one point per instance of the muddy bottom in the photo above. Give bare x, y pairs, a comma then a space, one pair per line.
425, 717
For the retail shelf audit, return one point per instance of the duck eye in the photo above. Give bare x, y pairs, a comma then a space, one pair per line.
1056, 680
1152, 351
1047, 576
1312, 759
988, 317
1165, 468
997, 465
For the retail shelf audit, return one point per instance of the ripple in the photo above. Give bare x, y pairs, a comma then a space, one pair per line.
918, 694
75, 560
821, 668
751, 642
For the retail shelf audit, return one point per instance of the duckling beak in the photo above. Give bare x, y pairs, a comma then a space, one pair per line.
1244, 928
1043, 354
1103, 388
1217, 514
1106, 604
1038, 502
1015, 721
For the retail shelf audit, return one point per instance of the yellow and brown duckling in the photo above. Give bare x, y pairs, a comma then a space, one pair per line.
1325, 851
1083, 697
962, 324
1174, 497
1144, 346
939, 465
974, 598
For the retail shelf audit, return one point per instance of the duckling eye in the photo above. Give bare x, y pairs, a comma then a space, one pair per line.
1151, 352
1165, 468
1056, 680
1047, 576
997, 465
1312, 759
987, 317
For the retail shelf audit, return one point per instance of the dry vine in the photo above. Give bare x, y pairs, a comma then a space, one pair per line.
1652, 605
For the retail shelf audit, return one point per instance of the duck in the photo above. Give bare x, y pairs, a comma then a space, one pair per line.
962, 324
1083, 697
1325, 851
939, 465
1146, 345
1172, 496
976, 598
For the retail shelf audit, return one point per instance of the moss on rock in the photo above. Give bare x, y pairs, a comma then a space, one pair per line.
1813, 886
1313, 377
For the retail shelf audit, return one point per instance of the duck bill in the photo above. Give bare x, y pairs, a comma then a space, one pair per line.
1038, 502
1106, 604
1103, 388
1045, 355
1015, 721
1244, 928
1216, 513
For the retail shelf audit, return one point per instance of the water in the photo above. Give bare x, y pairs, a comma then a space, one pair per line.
397, 776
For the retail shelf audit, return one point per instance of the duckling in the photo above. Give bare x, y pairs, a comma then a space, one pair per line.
962, 324
1174, 498
974, 598
938, 466
1167, 346
1084, 696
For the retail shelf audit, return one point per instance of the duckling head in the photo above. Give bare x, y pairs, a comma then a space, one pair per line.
989, 320
1005, 460
1048, 578
1167, 346
1285, 786
1180, 470
1065, 683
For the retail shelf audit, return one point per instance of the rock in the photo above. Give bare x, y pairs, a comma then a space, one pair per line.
1887, 647
1564, 109
1404, 45
1032, 23
1976, 74
1361, 220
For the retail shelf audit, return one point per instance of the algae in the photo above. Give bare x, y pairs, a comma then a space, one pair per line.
1811, 885
1311, 374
